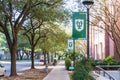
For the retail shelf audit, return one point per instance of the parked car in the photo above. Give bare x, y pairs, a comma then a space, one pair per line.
2, 70
42, 60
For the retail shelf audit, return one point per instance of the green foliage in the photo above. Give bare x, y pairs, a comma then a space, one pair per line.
82, 69
118, 62
72, 55
22, 41
67, 63
14, 14
55, 40
100, 62
109, 59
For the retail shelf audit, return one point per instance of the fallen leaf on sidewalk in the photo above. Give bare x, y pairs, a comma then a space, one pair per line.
30, 74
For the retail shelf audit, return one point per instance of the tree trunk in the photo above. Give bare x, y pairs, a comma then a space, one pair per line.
13, 50
17, 54
13, 63
32, 58
48, 57
55, 54
51, 57
59, 57
44, 53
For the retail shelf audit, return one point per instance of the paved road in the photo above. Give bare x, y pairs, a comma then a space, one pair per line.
20, 65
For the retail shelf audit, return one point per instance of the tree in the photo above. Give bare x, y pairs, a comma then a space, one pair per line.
3, 44
12, 16
21, 47
41, 18
81, 46
55, 40
107, 13
33, 34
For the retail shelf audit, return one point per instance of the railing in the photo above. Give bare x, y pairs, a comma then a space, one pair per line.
101, 71
115, 67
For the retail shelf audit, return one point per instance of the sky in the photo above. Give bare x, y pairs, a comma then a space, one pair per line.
72, 6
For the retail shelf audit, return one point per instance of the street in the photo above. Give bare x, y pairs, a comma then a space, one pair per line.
20, 65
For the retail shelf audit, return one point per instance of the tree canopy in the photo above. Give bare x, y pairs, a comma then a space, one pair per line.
14, 15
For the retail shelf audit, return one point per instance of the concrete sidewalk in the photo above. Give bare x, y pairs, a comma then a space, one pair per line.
58, 73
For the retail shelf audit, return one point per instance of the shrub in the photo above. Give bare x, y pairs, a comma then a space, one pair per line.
109, 59
101, 62
67, 63
82, 69
118, 62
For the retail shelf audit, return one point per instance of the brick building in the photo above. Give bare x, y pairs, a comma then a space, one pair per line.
101, 31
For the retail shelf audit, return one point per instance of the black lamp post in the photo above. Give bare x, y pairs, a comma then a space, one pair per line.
88, 4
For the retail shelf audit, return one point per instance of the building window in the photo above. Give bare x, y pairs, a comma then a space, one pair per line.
101, 50
95, 51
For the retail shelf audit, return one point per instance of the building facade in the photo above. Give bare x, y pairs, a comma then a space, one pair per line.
101, 35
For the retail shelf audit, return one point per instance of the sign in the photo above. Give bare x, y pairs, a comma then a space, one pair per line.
70, 44
71, 68
79, 25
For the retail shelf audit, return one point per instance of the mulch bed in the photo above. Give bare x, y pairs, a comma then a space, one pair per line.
30, 74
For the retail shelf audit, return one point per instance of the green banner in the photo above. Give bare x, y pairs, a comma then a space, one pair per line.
79, 25
70, 44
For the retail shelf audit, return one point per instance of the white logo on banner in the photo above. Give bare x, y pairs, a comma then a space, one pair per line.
70, 44
79, 24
